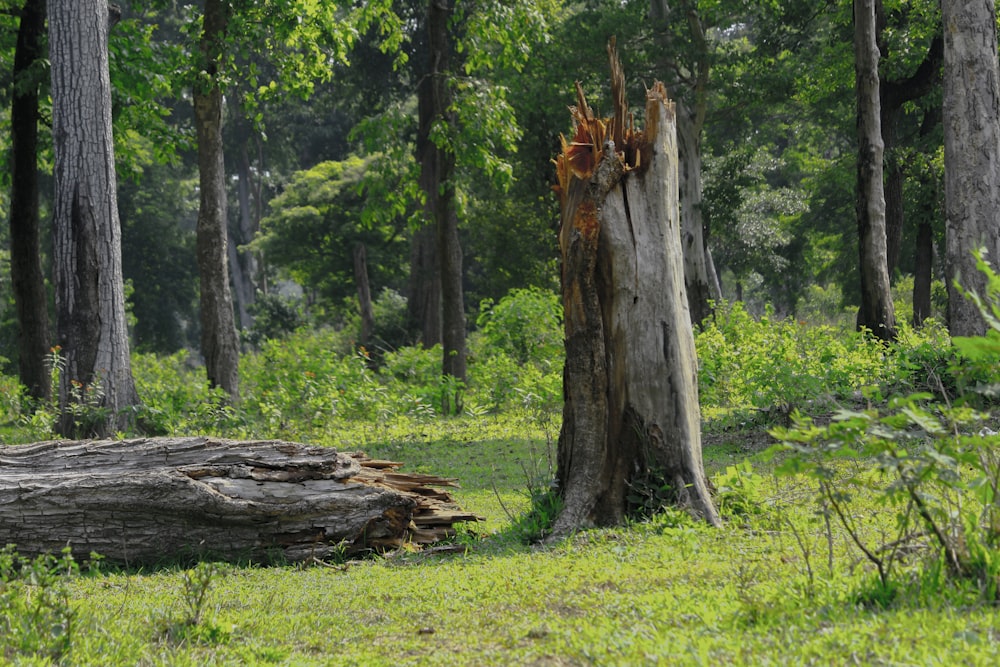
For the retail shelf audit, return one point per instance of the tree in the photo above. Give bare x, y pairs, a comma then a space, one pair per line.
876, 314
315, 226
971, 119
90, 300
25, 266
437, 177
219, 342
631, 421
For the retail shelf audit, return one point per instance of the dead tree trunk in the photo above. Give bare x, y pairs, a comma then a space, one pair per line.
155, 501
631, 421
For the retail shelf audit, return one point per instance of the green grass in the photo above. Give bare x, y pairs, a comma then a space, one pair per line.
667, 591
777, 584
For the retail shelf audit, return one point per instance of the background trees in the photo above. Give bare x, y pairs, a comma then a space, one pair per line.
770, 86
90, 298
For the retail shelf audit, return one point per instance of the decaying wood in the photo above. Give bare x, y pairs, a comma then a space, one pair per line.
631, 420
159, 500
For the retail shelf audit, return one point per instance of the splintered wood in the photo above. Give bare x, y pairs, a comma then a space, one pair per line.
160, 500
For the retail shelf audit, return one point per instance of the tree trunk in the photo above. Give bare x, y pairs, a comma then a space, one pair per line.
922, 274
156, 501
876, 313
96, 388
893, 94
364, 293
971, 116
219, 342
243, 263
696, 279
631, 421
423, 305
27, 278
437, 175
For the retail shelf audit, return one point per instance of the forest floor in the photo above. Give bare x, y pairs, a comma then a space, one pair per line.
775, 585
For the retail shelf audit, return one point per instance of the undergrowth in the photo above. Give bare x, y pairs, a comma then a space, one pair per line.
786, 581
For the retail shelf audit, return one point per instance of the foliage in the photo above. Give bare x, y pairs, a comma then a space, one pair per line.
274, 316
314, 226
526, 324
937, 467
193, 625
38, 616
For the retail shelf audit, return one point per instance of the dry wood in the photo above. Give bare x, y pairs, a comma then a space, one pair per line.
631, 420
158, 500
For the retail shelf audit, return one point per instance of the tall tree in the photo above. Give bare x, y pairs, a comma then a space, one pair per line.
437, 176
219, 342
90, 299
27, 278
876, 312
971, 119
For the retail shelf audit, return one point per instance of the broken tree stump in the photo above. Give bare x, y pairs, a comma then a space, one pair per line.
631, 419
158, 500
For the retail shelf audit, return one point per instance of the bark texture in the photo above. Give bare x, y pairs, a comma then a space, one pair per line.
219, 342
90, 300
971, 117
437, 176
164, 500
877, 313
631, 420
27, 278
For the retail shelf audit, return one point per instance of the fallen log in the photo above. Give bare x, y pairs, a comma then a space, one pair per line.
159, 500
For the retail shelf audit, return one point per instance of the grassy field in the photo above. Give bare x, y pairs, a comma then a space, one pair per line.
768, 588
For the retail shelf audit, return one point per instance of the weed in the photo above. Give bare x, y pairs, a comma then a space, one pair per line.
37, 615
192, 625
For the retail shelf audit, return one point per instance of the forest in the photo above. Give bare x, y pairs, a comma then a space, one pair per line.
352, 225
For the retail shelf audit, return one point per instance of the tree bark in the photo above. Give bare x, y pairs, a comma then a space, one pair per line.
971, 117
96, 388
437, 175
631, 421
876, 313
27, 278
219, 342
156, 501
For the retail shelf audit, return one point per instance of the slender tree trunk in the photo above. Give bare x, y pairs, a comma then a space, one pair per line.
27, 277
876, 312
437, 178
243, 264
219, 342
893, 94
922, 274
971, 116
631, 421
364, 293
90, 300
696, 278
423, 305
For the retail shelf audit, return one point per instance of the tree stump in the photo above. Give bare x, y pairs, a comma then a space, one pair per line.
631, 421
161, 500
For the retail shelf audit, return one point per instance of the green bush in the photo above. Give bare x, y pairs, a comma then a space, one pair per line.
526, 325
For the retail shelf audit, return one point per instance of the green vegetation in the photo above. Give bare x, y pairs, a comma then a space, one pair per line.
830, 560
